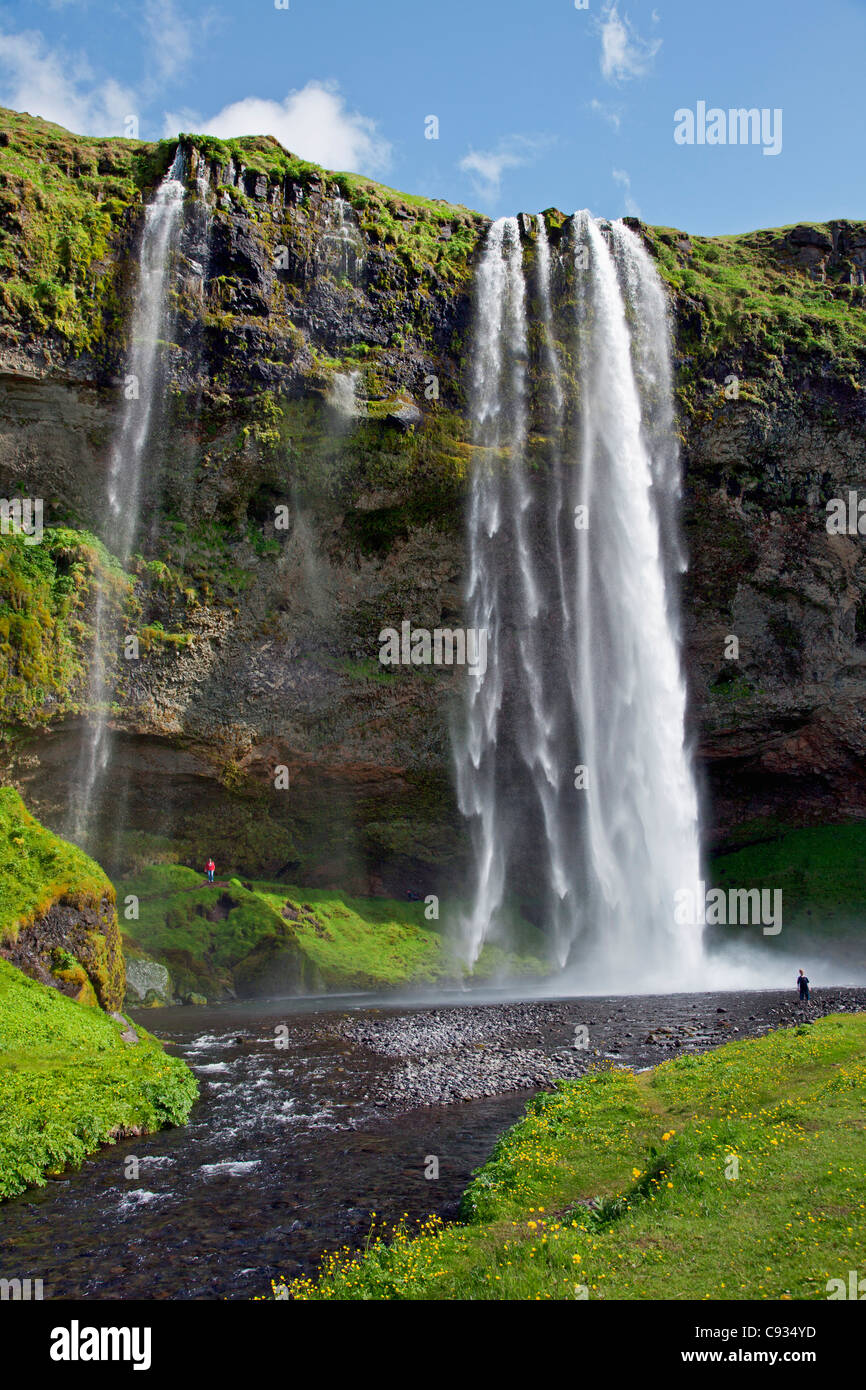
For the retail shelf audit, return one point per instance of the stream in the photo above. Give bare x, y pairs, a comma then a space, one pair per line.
292, 1147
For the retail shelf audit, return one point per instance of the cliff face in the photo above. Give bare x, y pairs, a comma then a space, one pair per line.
317, 362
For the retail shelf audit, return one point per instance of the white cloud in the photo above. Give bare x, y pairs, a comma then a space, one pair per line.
623, 179
60, 88
624, 54
607, 112
313, 123
170, 38
486, 167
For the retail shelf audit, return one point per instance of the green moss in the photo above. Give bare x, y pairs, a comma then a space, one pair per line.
67, 207
201, 933
260, 936
45, 591
38, 869
69, 1082
748, 293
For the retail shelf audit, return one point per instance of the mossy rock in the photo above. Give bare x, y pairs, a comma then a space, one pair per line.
58, 921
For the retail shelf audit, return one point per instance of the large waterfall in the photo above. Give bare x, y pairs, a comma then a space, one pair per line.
571, 761
123, 494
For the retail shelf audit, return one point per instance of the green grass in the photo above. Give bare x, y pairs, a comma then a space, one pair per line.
362, 942
68, 1082
206, 934
38, 869
64, 206
821, 871
736, 1174
372, 942
750, 293
174, 927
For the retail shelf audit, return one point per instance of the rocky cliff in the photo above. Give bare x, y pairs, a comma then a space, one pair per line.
317, 363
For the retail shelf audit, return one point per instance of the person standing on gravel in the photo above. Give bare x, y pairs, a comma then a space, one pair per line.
210, 870
803, 986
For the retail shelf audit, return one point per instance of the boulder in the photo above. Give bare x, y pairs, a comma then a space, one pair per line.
147, 983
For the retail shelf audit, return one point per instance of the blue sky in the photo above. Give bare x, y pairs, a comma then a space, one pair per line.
539, 103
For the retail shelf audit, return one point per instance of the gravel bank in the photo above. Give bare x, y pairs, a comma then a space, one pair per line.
440, 1056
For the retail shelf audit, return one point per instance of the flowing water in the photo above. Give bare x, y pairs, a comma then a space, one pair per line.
572, 764
290, 1151
126, 466
285, 1156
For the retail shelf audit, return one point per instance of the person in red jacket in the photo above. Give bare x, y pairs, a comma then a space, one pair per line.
210, 869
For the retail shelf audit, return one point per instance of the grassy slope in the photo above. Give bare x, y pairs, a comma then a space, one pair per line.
65, 202
820, 871
37, 868
360, 943
372, 941
68, 1082
750, 294
656, 1148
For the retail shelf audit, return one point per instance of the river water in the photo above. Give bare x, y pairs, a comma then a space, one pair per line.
291, 1149
284, 1156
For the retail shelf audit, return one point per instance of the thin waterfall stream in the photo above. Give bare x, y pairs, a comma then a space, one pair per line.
124, 485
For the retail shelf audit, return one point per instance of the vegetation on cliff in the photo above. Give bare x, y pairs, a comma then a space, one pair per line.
67, 209
45, 635
41, 874
783, 290
819, 871
69, 1082
735, 1174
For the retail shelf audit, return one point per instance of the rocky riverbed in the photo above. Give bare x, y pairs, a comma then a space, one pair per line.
440, 1056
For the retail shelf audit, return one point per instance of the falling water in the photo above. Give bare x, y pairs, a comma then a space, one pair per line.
162, 217
572, 762
342, 243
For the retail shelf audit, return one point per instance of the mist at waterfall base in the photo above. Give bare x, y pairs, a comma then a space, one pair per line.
572, 759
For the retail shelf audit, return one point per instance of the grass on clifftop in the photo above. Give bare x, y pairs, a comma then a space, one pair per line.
65, 202
736, 1174
749, 291
68, 1082
37, 868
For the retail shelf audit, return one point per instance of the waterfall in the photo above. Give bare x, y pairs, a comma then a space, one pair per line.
571, 761
342, 243
123, 494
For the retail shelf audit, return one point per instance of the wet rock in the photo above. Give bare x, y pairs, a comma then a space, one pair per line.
147, 977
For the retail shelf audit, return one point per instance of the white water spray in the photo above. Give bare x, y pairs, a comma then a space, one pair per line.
162, 218
585, 667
